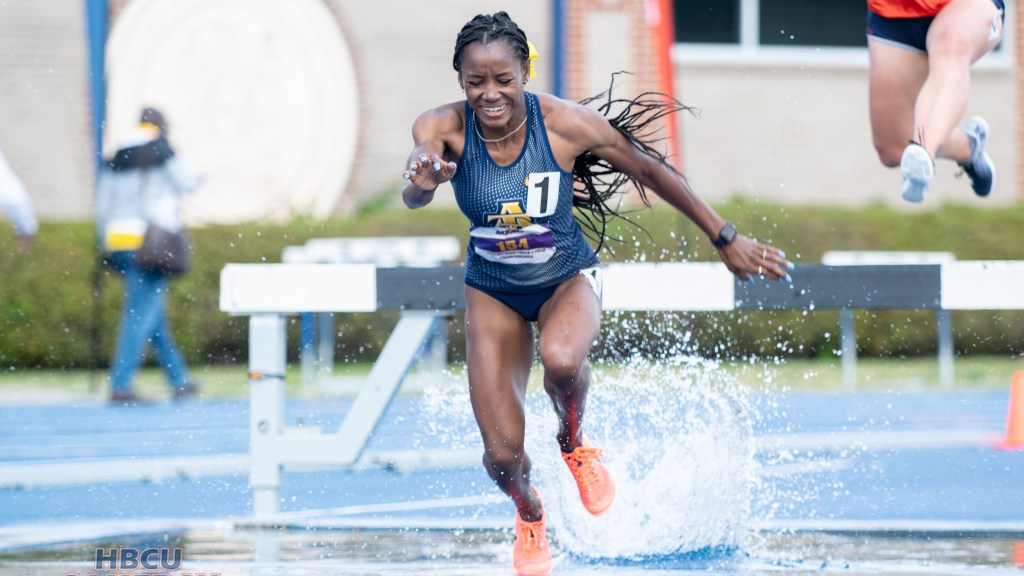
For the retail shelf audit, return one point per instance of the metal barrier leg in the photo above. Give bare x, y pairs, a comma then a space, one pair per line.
848, 347
266, 409
325, 347
396, 359
944, 325
307, 347
438, 347
266, 546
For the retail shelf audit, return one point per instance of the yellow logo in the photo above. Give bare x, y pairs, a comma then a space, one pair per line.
511, 216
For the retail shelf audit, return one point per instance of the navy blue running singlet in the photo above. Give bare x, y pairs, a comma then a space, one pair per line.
522, 230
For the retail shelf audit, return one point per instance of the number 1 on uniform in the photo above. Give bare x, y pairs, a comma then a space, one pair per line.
542, 194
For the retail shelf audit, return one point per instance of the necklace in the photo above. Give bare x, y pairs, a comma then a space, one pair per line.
493, 140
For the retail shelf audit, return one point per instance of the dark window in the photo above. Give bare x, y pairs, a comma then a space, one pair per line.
782, 22
711, 21
813, 22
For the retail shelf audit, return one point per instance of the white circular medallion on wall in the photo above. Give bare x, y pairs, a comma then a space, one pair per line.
260, 96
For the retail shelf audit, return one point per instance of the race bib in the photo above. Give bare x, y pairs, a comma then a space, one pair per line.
533, 244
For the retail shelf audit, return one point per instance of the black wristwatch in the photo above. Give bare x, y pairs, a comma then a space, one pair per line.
726, 236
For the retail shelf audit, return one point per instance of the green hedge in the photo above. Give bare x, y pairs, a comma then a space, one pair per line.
56, 313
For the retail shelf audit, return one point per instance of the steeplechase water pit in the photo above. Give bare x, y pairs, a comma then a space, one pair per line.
713, 478
753, 484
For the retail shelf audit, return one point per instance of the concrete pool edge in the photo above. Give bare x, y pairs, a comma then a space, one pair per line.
24, 537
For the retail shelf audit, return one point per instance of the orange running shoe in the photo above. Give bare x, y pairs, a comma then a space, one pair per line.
597, 488
530, 553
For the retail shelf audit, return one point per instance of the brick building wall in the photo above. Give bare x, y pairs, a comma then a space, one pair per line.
45, 123
789, 132
603, 37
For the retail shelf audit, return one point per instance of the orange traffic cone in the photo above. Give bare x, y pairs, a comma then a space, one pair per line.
1014, 439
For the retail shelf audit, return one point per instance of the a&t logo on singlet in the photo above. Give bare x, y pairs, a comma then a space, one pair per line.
511, 216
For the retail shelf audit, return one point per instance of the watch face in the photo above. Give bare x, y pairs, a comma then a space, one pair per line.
726, 236
728, 233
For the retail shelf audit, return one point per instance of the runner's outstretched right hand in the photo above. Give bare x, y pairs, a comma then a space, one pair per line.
428, 173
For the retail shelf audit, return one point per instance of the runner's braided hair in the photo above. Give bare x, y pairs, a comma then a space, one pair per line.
598, 187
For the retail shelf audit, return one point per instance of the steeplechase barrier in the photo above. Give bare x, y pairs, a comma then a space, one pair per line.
425, 297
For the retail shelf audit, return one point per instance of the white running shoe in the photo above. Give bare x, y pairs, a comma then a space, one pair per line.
918, 171
979, 167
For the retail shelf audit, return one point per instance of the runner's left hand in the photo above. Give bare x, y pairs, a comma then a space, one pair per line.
748, 259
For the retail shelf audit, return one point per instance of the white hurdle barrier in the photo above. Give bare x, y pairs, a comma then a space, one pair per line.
268, 293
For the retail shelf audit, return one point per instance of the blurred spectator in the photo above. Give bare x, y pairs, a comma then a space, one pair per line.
138, 188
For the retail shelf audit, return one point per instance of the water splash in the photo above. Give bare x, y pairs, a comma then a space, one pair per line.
677, 433
450, 420
677, 438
